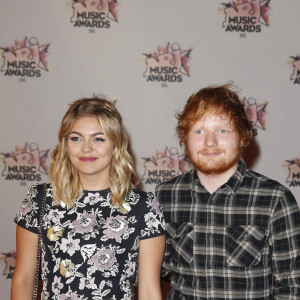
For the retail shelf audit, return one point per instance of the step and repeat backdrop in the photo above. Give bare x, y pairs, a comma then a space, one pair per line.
148, 57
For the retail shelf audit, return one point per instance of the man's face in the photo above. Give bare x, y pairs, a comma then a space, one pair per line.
213, 144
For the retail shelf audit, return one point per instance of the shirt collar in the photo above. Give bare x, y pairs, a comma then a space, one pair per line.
237, 178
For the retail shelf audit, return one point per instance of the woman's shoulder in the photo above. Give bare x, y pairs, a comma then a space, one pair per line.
142, 200
38, 191
39, 187
138, 199
31, 205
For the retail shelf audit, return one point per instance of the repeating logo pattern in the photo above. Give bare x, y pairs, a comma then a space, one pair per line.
9, 261
26, 163
293, 166
246, 15
167, 64
164, 165
256, 113
94, 13
26, 58
295, 62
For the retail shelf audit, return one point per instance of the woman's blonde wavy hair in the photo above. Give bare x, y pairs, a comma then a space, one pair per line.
65, 178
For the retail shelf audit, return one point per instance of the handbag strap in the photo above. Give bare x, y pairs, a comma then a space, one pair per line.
38, 254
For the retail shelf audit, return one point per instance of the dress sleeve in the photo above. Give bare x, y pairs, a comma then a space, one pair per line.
152, 223
29, 212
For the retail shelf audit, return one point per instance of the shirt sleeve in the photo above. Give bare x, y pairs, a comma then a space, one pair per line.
152, 223
29, 212
165, 268
285, 243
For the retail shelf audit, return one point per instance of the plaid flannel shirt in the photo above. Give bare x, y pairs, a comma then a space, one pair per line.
240, 242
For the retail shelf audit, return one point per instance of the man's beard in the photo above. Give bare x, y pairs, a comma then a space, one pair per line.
214, 165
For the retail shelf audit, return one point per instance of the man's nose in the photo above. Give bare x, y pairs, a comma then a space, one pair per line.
211, 140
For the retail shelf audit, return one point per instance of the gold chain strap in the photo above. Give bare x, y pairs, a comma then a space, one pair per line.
38, 254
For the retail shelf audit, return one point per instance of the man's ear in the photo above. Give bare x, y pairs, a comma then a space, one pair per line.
241, 143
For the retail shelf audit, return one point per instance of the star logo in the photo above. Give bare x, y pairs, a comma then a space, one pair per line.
293, 167
25, 54
164, 165
294, 61
169, 56
251, 8
27, 157
256, 113
94, 9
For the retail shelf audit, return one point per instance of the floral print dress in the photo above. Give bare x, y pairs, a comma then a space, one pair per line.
90, 250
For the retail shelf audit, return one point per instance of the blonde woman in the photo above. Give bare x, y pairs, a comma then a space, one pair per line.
98, 229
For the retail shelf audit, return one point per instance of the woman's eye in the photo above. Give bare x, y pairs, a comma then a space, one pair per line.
99, 139
75, 138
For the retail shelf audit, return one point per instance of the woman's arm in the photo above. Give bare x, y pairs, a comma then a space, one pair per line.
151, 253
23, 278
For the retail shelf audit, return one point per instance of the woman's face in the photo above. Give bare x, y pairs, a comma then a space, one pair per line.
90, 151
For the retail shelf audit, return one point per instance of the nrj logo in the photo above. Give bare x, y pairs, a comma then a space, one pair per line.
295, 62
256, 113
25, 58
167, 64
9, 260
246, 15
94, 13
165, 165
293, 166
26, 163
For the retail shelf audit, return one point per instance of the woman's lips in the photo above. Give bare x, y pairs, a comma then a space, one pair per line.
87, 159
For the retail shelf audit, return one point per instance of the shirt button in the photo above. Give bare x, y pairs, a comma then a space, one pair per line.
209, 266
211, 202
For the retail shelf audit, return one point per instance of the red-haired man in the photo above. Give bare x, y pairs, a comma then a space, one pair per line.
232, 233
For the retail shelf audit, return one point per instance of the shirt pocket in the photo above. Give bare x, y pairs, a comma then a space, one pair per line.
244, 245
182, 240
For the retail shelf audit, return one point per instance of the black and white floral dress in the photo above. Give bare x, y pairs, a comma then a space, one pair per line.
90, 251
